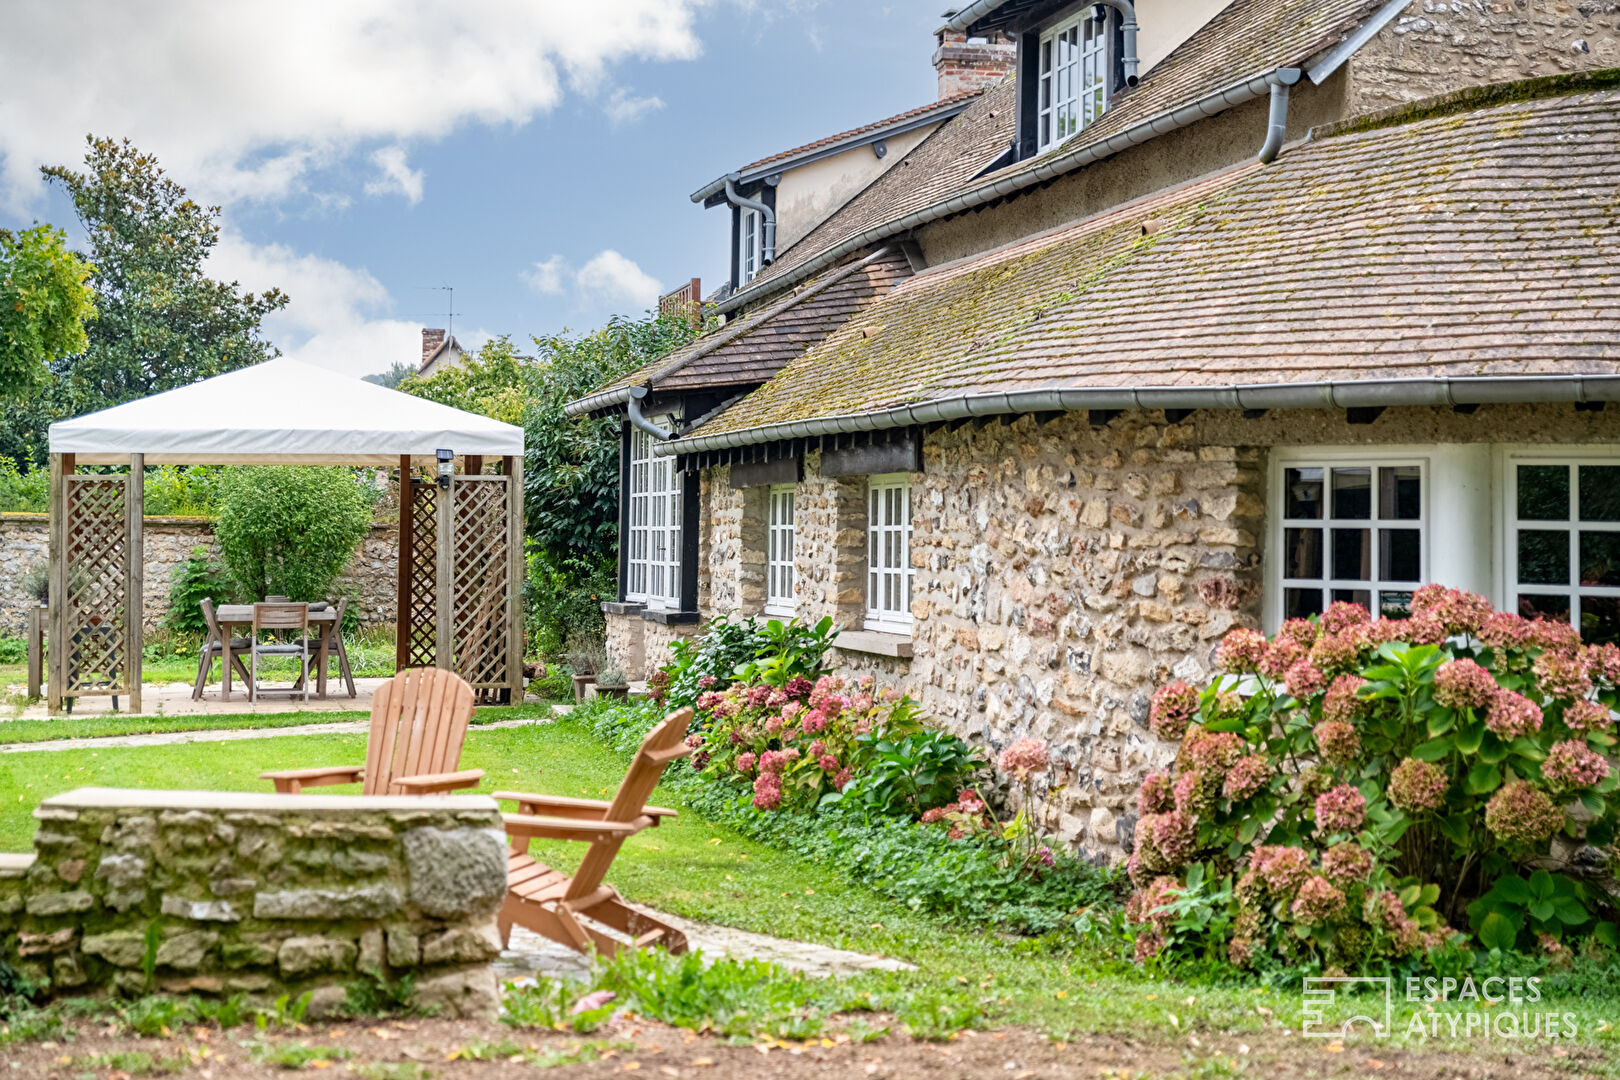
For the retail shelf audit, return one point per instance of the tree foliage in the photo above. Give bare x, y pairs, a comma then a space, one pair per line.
397, 373
44, 303
493, 381
163, 322
289, 530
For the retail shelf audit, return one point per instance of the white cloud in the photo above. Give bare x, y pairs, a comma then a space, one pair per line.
546, 278
241, 101
394, 176
624, 108
608, 279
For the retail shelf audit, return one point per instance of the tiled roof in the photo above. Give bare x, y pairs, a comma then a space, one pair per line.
1485, 243
920, 112
1247, 38
751, 349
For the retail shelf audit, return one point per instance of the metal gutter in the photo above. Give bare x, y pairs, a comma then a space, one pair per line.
1360, 393
1330, 63
1045, 169
633, 413
767, 219
622, 395
969, 14
1277, 116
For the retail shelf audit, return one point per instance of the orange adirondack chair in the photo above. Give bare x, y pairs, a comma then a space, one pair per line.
554, 905
418, 722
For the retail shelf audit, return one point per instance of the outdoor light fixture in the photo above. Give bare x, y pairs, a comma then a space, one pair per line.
446, 466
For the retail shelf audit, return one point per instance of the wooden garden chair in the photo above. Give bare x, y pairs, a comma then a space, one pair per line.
213, 649
284, 617
418, 722
555, 905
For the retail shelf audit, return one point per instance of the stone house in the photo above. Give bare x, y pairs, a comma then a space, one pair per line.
1207, 314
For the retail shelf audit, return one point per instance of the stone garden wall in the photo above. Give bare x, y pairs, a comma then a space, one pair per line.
216, 893
25, 544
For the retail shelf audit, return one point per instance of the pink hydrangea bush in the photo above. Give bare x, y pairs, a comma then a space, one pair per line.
1347, 791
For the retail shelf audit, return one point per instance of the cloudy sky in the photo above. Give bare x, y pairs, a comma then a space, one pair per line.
536, 155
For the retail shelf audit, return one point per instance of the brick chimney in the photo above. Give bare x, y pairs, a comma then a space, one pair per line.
431, 340
966, 64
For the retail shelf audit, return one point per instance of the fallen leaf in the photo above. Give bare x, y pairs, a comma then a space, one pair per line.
631, 1066
1334, 1048
702, 1063
1373, 1063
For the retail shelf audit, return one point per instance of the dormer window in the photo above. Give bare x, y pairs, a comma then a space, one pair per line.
750, 240
1073, 77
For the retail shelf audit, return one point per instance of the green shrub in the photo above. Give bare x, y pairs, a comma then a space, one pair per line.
184, 490
772, 651
201, 577
289, 530
23, 492
13, 650
562, 603
1350, 790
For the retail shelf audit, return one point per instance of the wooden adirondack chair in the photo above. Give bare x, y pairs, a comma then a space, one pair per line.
418, 723
553, 904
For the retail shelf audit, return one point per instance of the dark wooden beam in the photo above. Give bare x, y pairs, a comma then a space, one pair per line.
1364, 414
1465, 410
1176, 416
1590, 406
1101, 417
1254, 414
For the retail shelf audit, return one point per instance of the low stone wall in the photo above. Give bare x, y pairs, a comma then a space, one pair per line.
223, 892
25, 544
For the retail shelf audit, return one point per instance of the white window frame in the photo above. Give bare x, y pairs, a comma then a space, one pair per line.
1329, 458
653, 554
750, 243
889, 574
780, 512
1571, 457
1071, 83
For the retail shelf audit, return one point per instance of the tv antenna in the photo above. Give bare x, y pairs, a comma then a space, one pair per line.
449, 312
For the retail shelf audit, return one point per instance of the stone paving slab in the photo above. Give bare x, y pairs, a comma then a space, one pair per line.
529, 954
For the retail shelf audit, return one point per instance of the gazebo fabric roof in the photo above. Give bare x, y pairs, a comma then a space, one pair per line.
282, 411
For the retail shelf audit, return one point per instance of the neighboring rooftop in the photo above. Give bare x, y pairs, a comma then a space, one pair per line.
1249, 38
1467, 245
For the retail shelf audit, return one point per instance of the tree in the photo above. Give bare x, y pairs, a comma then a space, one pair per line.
162, 321
397, 373
494, 381
289, 530
44, 304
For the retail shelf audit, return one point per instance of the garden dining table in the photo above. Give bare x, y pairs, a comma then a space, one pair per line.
235, 615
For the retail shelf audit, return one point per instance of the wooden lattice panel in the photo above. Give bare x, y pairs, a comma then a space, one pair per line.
416, 618
480, 582
96, 612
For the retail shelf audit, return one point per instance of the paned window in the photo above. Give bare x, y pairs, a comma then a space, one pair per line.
779, 552
1563, 547
1072, 90
1352, 531
750, 238
653, 558
888, 553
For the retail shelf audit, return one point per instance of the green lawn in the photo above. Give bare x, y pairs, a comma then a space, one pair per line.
704, 872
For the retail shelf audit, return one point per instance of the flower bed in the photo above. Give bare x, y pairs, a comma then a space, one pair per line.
1353, 792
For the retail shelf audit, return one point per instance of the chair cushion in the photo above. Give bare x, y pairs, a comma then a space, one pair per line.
238, 644
279, 650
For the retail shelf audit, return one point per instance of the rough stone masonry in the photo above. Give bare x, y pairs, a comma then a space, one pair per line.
219, 892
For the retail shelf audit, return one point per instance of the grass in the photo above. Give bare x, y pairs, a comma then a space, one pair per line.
691, 868
90, 727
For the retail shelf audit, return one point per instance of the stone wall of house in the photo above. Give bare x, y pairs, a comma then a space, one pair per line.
640, 646
1436, 46
265, 894
25, 544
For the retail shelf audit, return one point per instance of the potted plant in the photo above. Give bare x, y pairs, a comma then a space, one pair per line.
610, 682
585, 664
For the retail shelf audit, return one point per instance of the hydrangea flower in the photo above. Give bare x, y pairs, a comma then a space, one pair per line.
1302, 631
1025, 758
1338, 742
1341, 651
745, 762
706, 681
1283, 869
1512, 715
1282, 654
767, 791
1241, 651
1418, 787
1176, 837
774, 761
1195, 791
1504, 630
1146, 858
1341, 615
1588, 716
1347, 863
1148, 945
1458, 611
1571, 766
1248, 775
1305, 679
1384, 910
798, 687
1554, 635
1155, 796
1521, 816
1240, 952
1603, 662
1173, 708
1463, 684
1318, 901
1147, 905
1342, 704
1209, 751
1342, 809
845, 775
1562, 676
828, 763
758, 696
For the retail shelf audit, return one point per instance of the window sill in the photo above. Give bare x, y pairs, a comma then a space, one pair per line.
877, 643
778, 613
672, 618
627, 607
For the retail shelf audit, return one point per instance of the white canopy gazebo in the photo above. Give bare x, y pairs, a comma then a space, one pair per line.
460, 533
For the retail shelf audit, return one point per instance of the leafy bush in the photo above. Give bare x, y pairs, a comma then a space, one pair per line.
13, 650
1347, 788
201, 577
563, 604
773, 652
184, 490
289, 530
23, 492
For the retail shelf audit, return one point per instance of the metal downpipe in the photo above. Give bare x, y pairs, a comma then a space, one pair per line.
1128, 26
632, 409
1277, 116
767, 246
